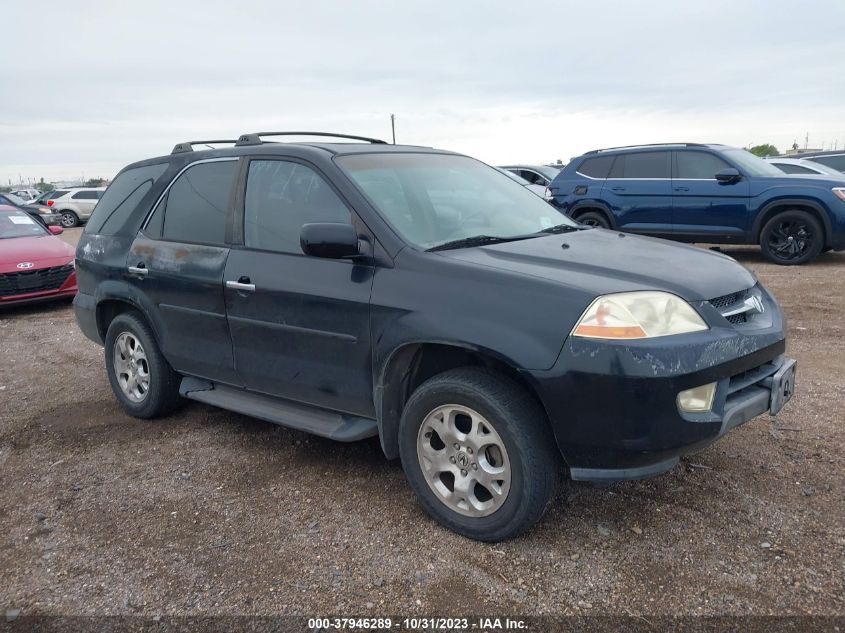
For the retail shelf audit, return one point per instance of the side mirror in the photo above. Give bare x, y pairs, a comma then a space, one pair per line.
329, 239
55, 230
729, 176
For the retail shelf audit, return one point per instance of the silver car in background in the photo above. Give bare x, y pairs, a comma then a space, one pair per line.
76, 205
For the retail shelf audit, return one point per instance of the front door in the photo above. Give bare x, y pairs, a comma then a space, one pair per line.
706, 209
300, 325
639, 190
176, 266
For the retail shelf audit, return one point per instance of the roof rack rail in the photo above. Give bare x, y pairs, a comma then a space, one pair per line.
181, 148
255, 138
608, 149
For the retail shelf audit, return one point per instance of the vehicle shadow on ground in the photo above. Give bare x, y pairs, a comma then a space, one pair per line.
54, 306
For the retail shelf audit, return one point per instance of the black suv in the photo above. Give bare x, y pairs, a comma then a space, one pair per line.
364, 289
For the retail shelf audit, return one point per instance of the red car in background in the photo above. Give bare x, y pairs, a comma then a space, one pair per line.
35, 265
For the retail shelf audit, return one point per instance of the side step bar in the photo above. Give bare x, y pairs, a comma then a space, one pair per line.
336, 426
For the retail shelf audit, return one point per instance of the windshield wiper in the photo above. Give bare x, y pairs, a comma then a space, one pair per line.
563, 228
478, 240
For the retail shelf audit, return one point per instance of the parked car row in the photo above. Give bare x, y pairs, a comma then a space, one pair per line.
709, 193
73, 206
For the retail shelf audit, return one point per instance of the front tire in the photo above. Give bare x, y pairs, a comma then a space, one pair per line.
478, 453
791, 238
141, 378
69, 219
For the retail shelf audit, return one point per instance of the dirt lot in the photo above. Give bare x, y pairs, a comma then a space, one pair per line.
211, 512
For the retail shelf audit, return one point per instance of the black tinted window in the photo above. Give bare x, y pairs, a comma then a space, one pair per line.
56, 194
642, 165
789, 168
698, 165
122, 197
281, 196
598, 167
86, 195
195, 209
837, 162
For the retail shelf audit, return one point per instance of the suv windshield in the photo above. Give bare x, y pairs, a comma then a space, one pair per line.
432, 199
19, 224
750, 164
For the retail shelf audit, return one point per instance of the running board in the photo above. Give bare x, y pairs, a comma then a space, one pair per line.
336, 426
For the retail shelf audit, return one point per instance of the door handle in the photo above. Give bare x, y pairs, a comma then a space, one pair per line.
681, 188
140, 269
617, 188
243, 284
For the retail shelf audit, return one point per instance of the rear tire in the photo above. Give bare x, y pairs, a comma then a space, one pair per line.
69, 219
141, 378
596, 219
495, 485
791, 238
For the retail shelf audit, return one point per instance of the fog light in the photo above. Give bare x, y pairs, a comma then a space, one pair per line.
697, 399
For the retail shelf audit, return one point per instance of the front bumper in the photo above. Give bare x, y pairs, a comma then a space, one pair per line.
613, 405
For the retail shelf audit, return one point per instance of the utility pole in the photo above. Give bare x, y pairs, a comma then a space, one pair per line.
393, 127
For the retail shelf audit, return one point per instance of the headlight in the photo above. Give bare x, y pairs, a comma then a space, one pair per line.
642, 314
839, 192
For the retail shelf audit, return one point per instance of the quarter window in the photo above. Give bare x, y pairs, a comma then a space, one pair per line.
281, 196
789, 168
195, 209
598, 167
86, 195
698, 165
121, 198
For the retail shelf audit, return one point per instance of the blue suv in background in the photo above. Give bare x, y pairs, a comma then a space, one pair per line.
711, 193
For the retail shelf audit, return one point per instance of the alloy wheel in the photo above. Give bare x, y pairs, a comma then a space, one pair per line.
131, 367
464, 460
790, 239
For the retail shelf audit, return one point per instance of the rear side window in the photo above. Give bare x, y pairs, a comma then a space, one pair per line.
642, 165
698, 165
86, 195
57, 194
837, 162
196, 206
789, 168
122, 197
281, 196
598, 167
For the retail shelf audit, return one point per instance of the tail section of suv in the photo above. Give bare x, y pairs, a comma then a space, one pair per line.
694, 192
76, 205
358, 290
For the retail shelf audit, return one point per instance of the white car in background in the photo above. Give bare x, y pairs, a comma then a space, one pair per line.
76, 205
27, 194
803, 166
541, 191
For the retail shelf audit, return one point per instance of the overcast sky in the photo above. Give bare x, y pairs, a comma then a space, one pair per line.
89, 86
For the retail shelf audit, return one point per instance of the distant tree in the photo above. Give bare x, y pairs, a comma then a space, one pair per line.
4, 189
95, 182
44, 186
795, 145
764, 150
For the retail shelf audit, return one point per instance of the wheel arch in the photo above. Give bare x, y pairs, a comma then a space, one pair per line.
580, 208
792, 204
411, 364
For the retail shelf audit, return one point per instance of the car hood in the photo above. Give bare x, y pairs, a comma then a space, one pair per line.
600, 262
38, 250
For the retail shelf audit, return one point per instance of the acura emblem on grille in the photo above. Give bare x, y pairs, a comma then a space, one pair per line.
25, 265
756, 303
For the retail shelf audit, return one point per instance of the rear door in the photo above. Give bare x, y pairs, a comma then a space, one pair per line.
706, 209
300, 325
639, 190
85, 201
176, 264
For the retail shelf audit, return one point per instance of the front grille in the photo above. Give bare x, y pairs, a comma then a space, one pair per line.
736, 319
40, 280
725, 301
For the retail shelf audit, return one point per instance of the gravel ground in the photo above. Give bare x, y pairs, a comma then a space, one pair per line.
208, 512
